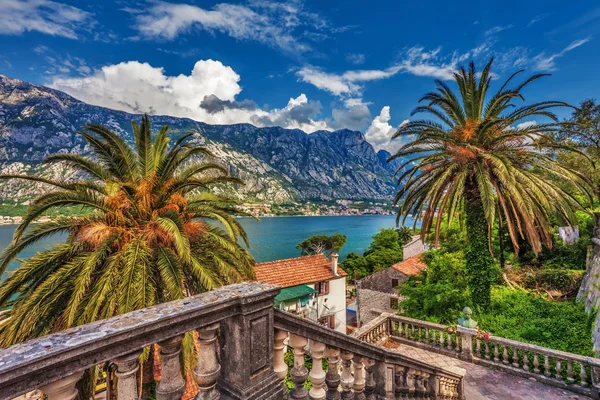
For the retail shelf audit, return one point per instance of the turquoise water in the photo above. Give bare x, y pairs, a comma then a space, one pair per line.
271, 238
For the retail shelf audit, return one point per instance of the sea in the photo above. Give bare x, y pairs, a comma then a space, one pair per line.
271, 238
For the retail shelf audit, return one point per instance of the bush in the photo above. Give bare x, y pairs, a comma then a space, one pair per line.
554, 279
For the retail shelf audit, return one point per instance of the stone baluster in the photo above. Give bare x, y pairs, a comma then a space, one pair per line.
332, 378
449, 342
442, 339
359, 378
410, 382
346, 378
317, 375
525, 361
515, 362
536, 363
558, 370
208, 368
443, 388
370, 385
400, 382
62, 389
427, 335
505, 355
478, 347
412, 330
279, 365
487, 350
426, 390
406, 327
496, 353
570, 378
299, 372
583, 375
172, 384
547, 369
418, 382
127, 368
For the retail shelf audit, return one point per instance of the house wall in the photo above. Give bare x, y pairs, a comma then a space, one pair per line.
373, 294
413, 248
332, 303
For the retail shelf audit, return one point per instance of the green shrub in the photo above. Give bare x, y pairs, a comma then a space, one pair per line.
554, 279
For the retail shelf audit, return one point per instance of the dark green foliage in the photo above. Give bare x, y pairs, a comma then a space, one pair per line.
383, 252
405, 233
480, 266
322, 244
288, 357
563, 280
439, 293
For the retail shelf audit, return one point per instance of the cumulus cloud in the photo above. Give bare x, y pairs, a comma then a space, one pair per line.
356, 116
380, 132
207, 94
44, 16
275, 24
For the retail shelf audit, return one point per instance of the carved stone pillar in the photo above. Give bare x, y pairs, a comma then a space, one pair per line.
370, 379
467, 335
333, 373
62, 389
127, 368
299, 372
249, 336
346, 379
172, 384
208, 368
359, 378
317, 375
383, 374
279, 365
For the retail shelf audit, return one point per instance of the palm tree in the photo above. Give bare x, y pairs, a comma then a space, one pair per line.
476, 160
147, 238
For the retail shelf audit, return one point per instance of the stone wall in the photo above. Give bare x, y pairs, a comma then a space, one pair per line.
589, 291
414, 247
374, 294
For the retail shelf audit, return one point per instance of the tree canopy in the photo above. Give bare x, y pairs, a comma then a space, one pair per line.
322, 244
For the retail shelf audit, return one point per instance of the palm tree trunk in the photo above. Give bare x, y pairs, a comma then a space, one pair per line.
501, 240
479, 261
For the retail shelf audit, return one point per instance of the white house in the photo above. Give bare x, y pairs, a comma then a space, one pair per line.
312, 286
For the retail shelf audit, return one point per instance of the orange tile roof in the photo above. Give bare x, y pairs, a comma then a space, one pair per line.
297, 271
411, 266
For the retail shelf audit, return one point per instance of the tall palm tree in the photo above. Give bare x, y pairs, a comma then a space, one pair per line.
477, 159
149, 236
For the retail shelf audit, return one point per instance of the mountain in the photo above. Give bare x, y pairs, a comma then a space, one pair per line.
278, 164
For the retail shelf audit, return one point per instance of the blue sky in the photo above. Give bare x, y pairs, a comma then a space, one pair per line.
298, 64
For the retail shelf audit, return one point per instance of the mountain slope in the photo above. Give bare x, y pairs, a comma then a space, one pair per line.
278, 164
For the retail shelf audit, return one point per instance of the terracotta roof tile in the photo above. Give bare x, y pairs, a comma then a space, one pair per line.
411, 266
296, 271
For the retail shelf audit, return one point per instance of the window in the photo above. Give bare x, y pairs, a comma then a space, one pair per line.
322, 287
394, 303
395, 283
328, 321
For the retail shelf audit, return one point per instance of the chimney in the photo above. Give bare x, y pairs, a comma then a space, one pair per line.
334, 262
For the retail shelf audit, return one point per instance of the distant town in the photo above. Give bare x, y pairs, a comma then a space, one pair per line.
338, 207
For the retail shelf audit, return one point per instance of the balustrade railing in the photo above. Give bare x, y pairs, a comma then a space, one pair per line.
241, 355
557, 368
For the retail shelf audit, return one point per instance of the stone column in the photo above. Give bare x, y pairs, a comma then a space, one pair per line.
317, 375
346, 379
299, 372
467, 335
62, 389
333, 373
370, 385
249, 336
359, 378
172, 384
127, 368
208, 368
279, 365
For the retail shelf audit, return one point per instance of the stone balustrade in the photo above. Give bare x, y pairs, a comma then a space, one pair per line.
241, 355
557, 368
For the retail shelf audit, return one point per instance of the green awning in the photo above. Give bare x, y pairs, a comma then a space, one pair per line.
294, 292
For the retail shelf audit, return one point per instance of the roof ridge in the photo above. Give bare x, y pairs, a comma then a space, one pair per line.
291, 258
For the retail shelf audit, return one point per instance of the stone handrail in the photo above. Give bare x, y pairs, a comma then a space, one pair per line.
411, 378
241, 341
553, 367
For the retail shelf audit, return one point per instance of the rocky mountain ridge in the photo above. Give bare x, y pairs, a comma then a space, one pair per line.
278, 165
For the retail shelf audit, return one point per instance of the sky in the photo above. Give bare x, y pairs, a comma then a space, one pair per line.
311, 65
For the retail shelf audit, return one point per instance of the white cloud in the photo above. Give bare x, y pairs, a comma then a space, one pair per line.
543, 62
45, 16
207, 94
537, 19
270, 23
355, 58
497, 29
380, 132
335, 84
526, 124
